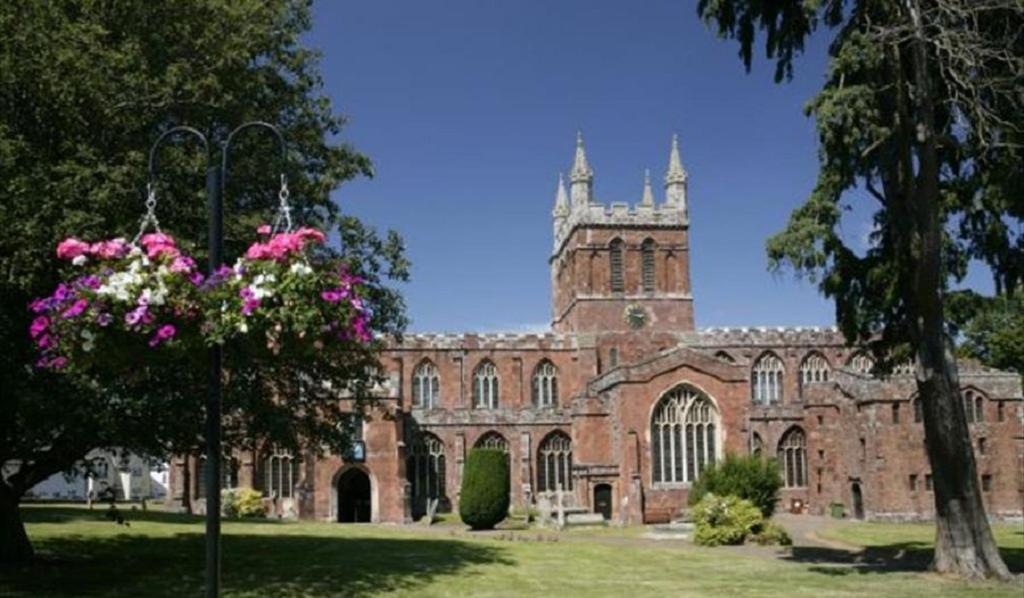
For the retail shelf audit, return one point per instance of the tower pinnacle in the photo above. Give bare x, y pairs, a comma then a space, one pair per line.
561, 198
581, 177
647, 199
675, 178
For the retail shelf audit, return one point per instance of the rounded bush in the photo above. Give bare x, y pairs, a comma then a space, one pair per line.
725, 520
484, 498
749, 477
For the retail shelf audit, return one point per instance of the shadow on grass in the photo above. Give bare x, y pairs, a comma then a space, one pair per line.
901, 556
278, 565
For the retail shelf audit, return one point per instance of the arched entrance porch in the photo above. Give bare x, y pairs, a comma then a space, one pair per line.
354, 496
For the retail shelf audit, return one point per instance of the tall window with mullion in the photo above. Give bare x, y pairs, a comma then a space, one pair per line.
554, 463
793, 458
648, 259
545, 384
766, 380
426, 386
282, 475
485, 386
425, 469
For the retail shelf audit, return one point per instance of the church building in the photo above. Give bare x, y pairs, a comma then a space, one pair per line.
624, 402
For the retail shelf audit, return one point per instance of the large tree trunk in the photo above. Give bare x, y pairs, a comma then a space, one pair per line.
14, 544
964, 544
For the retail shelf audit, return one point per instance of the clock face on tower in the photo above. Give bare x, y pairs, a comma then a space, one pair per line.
635, 316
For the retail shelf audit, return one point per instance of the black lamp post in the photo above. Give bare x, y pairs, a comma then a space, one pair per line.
216, 180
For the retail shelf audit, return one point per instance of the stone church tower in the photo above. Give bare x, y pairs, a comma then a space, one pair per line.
619, 268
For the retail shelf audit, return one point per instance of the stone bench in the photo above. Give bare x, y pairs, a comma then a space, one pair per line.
584, 518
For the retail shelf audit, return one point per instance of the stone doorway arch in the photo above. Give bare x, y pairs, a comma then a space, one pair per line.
858, 500
603, 500
354, 496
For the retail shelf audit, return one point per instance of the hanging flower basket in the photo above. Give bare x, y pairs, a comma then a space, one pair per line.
282, 296
120, 302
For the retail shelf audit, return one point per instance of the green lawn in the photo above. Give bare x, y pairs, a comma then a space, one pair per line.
161, 554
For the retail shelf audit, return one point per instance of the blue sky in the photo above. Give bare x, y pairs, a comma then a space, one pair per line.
469, 110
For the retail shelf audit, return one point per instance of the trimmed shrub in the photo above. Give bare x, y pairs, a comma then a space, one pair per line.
725, 520
484, 497
770, 533
749, 477
242, 502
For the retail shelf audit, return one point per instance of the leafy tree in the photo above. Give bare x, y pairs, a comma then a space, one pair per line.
749, 477
921, 115
991, 329
85, 88
484, 496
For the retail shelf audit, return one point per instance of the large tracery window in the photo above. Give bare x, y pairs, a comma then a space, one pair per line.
793, 458
545, 385
281, 475
684, 438
814, 368
766, 379
228, 474
554, 463
647, 253
426, 386
425, 470
861, 362
615, 260
485, 386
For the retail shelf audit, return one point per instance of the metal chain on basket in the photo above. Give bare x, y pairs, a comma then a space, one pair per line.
284, 209
149, 218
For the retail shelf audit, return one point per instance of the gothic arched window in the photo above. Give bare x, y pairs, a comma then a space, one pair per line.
554, 463
973, 406
647, 253
618, 283
545, 384
281, 475
485, 386
426, 385
425, 470
793, 458
861, 362
684, 438
814, 368
492, 440
766, 379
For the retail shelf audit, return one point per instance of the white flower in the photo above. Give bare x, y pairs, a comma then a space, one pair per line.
300, 269
243, 327
79, 260
262, 278
87, 334
88, 346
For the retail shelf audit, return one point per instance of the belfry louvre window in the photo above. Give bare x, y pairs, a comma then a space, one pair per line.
485, 386
282, 475
766, 379
647, 252
554, 463
545, 384
615, 260
426, 386
425, 470
793, 458
684, 438
814, 368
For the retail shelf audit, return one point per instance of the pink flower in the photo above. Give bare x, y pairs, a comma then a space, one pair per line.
52, 362
155, 250
182, 263
360, 326
46, 341
263, 229
165, 332
76, 308
157, 239
114, 248
104, 319
136, 315
331, 296
257, 251
39, 326
306, 233
70, 248
196, 278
